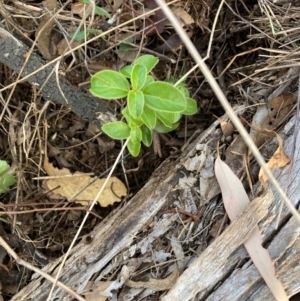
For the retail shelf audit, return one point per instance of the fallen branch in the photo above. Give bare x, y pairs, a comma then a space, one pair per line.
13, 53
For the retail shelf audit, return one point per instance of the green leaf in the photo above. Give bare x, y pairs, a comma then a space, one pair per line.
138, 76
135, 102
177, 117
131, 121
109, 84
126, 71
6, 179
166, 118
149, 118
136, 135
191, 107
147, 60
124, 47
134, 148
116, 130
4, 166
149, 80
181, 87
164, 97
79, 36
171, 80
146, 136
102, 12
161, 128
85, 1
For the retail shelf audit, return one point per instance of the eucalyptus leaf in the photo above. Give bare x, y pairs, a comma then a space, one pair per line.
117, 130
109, 84
147, 60
134, 148
164, 97
135, 102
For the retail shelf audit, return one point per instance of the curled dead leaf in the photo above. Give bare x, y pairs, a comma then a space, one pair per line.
227, 127
183, 15
279, 159
78, 9
269, 117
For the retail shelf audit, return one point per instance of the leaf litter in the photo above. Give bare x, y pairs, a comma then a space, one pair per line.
196, 191
82, 188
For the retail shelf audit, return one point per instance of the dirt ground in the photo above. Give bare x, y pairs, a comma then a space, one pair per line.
51, 135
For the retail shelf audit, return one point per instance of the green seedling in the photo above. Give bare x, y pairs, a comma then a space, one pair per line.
6, 179
151, 105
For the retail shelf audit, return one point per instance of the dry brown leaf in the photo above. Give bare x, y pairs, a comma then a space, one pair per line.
129, 55
46, 48
269, 117
183, 15
95, 289
156, 284
279, 159
69, 185
64, 45
78, 9
227, 127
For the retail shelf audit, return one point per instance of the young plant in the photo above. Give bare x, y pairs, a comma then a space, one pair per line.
151, 105
6, 179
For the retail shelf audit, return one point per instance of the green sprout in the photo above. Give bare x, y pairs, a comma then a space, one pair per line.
151, 105
6, 179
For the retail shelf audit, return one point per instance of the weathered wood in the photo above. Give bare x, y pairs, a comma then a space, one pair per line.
246, 283
114, 234
117, 233
213, 258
